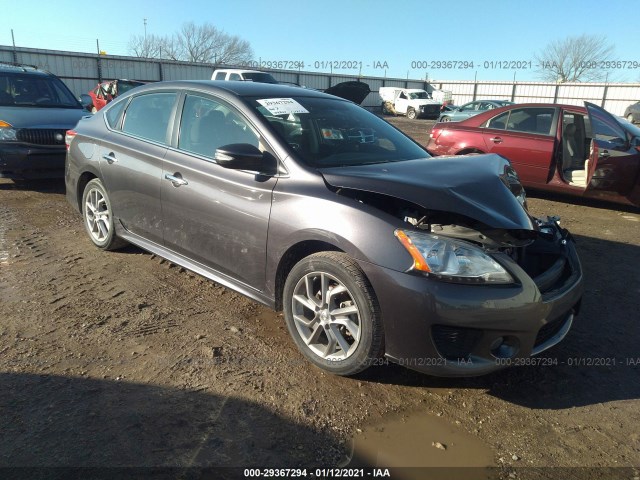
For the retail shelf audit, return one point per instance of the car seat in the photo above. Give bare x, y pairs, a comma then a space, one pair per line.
573, 158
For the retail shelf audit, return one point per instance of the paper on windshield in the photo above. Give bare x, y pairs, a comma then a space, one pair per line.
282, 106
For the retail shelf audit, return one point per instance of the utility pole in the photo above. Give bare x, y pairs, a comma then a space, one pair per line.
15, 53
145, 30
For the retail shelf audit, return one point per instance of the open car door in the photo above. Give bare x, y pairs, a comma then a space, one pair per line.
614, 158
354, 91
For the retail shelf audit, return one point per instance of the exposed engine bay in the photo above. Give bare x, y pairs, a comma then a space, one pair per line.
542, 252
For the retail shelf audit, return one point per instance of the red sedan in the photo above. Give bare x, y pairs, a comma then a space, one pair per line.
583, 151
107, 91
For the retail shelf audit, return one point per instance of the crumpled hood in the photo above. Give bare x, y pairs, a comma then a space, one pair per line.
34, 117
474, 186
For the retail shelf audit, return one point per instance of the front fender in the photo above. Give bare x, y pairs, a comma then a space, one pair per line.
361, 231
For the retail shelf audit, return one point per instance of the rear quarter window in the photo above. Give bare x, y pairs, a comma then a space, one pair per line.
113, 114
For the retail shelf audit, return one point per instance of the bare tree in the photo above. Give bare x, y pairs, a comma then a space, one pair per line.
149, 47
575, 59
170, 48
195, 43
234, 51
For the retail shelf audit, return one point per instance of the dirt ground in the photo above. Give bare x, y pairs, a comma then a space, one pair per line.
124, 359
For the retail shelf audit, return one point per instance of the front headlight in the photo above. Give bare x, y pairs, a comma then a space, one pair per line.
451, 260
7, 132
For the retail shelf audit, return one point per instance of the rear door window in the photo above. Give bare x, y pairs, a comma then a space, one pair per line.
147, 116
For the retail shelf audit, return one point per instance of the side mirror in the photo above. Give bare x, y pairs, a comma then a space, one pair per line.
243, 156
86, 101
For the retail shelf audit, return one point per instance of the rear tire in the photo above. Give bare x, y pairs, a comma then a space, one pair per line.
445, 119
630, 118
98, 217
332, 313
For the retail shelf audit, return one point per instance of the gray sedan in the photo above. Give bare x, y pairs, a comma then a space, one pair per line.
467, 110
311, 204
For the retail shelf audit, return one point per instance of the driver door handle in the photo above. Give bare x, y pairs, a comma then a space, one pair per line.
110, 158
604, 154
177, 181
496, 139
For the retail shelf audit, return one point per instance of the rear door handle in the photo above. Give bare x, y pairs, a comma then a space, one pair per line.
176, 179
110, 158
604, 154
496, 139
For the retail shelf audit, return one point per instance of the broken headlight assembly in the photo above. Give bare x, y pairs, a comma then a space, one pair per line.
452, 260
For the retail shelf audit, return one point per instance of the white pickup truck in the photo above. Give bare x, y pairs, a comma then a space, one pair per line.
412, 102
242, 75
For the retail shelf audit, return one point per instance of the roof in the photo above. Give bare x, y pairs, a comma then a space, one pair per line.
21, 68
18, 68
241, 89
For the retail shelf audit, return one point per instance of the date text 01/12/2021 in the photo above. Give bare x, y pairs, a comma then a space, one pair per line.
520, 64
317, 473
317, 64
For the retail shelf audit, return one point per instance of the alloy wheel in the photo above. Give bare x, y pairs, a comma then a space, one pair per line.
326, 316
97, 215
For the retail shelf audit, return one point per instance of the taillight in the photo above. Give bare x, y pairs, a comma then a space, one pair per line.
71, 134
435, 133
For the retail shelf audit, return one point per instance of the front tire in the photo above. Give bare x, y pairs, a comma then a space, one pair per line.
332, 313
411, 114
630, 118
444, 119
98, 217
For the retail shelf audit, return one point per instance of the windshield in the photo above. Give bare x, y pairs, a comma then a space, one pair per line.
259, 77
24, 90
419, 95
331, 133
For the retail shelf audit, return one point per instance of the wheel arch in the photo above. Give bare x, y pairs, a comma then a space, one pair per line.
468, 150
293, 255
83, 179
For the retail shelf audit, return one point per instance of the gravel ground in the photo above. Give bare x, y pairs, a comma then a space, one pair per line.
124, 359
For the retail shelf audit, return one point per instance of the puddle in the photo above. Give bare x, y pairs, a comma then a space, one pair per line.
421, 440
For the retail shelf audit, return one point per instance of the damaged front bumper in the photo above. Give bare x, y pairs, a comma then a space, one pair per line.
448, 329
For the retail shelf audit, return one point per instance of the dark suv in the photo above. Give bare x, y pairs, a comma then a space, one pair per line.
36, 109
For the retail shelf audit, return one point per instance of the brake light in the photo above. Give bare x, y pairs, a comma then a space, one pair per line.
71, 134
